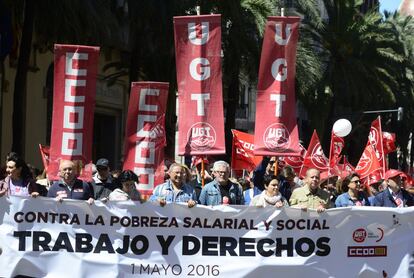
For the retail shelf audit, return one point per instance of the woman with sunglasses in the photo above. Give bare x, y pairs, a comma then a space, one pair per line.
353, 196
127, 191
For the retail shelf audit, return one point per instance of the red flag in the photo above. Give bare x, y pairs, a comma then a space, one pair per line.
296, 162
45, 154
368, 163
145, 133
200, 101
346, 166
337, 144
73, 107
375, 139
388, 142
242, 154
315, 157
276, 131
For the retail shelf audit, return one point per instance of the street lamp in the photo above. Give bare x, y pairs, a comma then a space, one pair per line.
400, 112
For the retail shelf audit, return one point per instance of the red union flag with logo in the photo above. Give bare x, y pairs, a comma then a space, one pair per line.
376, 141
296, 162
242, 153
45, 154
200, 102
337, 144
315, 157
145, 133
73, 107
368, 163
276, 131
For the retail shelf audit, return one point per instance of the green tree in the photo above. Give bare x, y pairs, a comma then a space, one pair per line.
362, 63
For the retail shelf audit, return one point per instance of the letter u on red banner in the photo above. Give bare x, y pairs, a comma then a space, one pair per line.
145, 133
198, 60
73, 106
276, 131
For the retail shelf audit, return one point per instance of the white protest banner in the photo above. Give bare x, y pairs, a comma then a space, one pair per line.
41, 237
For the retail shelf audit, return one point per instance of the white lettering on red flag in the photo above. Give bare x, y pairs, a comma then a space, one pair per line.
276, 131
198, 60
145, 133
242, 153
73, 107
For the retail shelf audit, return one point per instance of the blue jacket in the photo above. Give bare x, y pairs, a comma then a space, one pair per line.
211, 195
246, 194
344, 200
79, 191
385, 199
166, 191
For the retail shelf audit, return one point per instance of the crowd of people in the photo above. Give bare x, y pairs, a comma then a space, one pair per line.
199, 185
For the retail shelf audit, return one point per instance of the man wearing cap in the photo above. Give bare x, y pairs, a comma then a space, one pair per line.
102, 181
310, 196
394, 196
69, 186
221, 190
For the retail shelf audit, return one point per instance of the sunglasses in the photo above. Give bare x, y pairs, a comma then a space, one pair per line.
356, 182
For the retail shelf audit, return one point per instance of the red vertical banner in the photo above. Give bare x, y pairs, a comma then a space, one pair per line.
145, 133
200, 101
276, 131
73, 107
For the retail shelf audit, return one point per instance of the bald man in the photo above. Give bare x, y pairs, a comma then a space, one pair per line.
69, 186
310, 196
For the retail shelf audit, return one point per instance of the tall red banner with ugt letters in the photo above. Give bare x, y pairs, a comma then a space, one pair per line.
276, 131
145, 133
73, 107
198, 60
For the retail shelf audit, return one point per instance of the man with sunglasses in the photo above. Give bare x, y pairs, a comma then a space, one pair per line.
353, 196
394, 196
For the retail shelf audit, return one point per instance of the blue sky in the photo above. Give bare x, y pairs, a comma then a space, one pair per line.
389, 5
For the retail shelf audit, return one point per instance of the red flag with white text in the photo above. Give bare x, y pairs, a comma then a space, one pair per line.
346, 166
376, 141
74, 93
200, 101
242, 153
315, 157
145, 133
368, 163
276, 130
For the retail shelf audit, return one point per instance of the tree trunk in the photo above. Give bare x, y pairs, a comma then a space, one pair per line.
19, 98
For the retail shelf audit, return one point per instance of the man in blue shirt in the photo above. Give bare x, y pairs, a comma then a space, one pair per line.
69, 186
174, 190
221, 190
